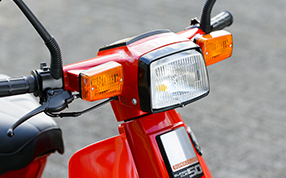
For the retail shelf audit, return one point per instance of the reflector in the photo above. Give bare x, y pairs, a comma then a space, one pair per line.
215, 46
177, 79
100, 82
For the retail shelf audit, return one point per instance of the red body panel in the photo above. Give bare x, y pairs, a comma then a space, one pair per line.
33, 170
108, 158
134, 153
141, 134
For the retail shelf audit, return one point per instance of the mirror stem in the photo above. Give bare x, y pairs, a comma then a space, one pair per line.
206, 16
56, 57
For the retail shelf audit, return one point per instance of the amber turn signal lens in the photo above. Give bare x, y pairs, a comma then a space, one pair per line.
215, 46
100, 82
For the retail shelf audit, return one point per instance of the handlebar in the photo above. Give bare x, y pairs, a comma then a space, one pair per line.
222, 20
19, 85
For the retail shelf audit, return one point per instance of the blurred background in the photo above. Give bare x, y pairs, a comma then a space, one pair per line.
240, 125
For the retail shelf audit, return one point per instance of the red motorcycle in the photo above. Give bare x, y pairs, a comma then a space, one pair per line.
143, 77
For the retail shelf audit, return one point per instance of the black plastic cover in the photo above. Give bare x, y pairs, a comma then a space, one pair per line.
131, 40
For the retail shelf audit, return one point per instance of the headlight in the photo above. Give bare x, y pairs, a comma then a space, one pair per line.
176, 79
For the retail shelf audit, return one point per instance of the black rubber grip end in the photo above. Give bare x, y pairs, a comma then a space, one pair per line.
222, 20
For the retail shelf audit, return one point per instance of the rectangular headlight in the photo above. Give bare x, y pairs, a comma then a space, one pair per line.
173, 80
177, 79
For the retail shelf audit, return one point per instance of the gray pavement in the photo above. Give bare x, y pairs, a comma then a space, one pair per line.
240, 125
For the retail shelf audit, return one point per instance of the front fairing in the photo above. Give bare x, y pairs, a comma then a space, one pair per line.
136, 152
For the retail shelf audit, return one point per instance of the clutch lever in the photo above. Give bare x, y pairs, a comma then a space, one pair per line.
56, 100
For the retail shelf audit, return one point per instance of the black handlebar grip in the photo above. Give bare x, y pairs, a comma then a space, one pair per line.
222, 20
14, 86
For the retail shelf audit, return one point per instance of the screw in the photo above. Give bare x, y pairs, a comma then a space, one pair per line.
134, 101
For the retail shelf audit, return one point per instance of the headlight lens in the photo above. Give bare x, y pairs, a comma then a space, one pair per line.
171, 77
177, 79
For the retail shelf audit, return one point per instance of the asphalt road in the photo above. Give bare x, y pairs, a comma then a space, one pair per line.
240, 125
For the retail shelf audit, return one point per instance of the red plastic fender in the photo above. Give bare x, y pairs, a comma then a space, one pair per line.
107, 158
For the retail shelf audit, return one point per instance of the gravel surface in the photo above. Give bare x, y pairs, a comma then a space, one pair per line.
240, 125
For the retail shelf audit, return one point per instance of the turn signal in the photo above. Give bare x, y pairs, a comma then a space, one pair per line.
215, 46
100, 82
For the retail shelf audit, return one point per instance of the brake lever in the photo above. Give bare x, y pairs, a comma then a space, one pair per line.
56, 100
10, 132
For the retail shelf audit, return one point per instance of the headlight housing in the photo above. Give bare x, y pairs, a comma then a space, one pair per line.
172, 77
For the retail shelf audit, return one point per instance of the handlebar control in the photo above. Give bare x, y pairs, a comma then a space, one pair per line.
14, 86
56, 101
222, 20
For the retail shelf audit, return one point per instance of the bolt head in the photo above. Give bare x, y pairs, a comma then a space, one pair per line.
134, 101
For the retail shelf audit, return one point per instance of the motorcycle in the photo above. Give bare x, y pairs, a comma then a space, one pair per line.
145, 78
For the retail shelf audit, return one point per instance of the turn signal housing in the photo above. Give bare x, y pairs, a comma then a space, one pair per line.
100, 82
216, 46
